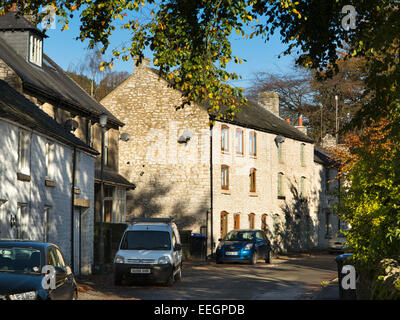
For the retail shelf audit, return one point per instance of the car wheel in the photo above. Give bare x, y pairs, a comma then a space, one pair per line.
75, 295
117, 279
218, 261
268, 257
178, 275
253, 260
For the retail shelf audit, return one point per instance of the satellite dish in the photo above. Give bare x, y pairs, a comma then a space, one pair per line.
280, 139
185, 137
125, 137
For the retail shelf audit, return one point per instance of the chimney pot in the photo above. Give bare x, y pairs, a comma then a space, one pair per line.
14, 7
288, 120
300, 121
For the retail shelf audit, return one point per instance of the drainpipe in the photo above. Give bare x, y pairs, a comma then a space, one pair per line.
72, 208
211, 188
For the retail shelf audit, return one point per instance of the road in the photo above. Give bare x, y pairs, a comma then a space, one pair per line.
287, 277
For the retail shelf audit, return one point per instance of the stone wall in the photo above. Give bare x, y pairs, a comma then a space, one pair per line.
172, 178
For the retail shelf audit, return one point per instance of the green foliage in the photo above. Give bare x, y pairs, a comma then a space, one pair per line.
370, 200
190, 40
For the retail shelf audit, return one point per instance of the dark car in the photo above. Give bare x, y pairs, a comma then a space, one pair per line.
21, 267
244, 246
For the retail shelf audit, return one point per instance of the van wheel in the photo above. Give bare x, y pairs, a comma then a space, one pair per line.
170, 280
178, 275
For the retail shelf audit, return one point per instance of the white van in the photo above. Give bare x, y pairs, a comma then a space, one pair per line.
150, 249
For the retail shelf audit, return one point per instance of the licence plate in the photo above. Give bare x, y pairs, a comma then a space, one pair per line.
229, 253
140, 270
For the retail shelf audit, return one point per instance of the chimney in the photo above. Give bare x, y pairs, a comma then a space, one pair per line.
300, 127
30, 17
144, 64
270, 101
14, 7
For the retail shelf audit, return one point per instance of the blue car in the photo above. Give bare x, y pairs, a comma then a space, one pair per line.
244, 246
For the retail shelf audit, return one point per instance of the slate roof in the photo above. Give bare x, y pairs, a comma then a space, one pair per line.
113, 178
10, 21
50, 81
323, 156
14, 106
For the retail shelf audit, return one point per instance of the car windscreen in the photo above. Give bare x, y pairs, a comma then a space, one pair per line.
17, 259
239, 236
146, 240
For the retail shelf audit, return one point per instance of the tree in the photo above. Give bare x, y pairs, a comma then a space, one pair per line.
303, 93
370, 167
190, 40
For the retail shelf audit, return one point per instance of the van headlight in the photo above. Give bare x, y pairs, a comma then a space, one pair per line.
119, 259
31, 295
248, 246
164, 260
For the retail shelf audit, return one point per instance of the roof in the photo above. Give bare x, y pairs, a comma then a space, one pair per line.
322, 156
113, 178
12, 21
257, 117
14, 106
52, 83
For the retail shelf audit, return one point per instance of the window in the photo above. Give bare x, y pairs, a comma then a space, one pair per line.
22, 221
77, 169
253, 143
264, 222
302, 187
280, 152
225, 177
46, 223
280, 185
239, 141
120, 205
106, 158
3, 219
23, 152
224, 138
224, 223
35, 50
50, 160
251, 220
302, 154
253, 180
236, 222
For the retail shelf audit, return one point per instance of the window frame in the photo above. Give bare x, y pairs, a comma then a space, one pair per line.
223, 224
224, 138
253, 180
252, 223
224, 176
50, 157
236, 221
35, 55
253, 143
24, 138
302, 154
281, 189
264, 225
239, 141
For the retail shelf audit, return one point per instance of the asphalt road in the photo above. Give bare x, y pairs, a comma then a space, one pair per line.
286, 278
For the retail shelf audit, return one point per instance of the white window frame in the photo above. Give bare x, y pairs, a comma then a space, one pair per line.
23, 151
3, 218
50, 157
119, 201
46, 222
77, 169
22, 221
106, 137
35, 50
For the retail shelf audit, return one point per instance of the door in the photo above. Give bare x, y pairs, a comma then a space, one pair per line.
67, 278
57, 293
261, 245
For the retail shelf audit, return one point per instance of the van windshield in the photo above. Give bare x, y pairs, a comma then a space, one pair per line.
146, 240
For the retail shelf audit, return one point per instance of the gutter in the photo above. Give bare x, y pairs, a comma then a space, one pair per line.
211, 190
72, 208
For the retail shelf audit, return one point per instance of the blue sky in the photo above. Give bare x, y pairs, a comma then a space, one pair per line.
261, 56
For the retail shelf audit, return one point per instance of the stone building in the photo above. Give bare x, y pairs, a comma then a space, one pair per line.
28, 70
256, 171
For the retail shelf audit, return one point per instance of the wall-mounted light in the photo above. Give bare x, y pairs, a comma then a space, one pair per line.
103, 120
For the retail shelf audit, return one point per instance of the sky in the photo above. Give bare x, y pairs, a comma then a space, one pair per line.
261, 56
